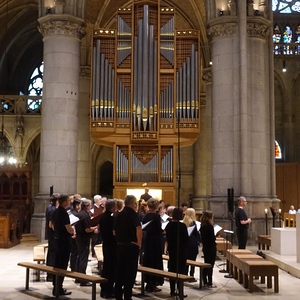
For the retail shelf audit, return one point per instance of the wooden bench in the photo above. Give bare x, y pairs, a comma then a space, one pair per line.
245, 266
200, 265
180, 278
61, 272
229, 254
39, 255
223, 245
264, 240
254, 268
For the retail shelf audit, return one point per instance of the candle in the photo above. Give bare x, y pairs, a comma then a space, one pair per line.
266, 211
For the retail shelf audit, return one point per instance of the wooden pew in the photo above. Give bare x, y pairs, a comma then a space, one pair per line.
200, 265
39, 255
180, 278
60, 272
264, 240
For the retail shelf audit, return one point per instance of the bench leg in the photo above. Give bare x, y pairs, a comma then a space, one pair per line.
262, 279
251, 284
93, 291
269, 282
38, 274
27, 279
276, 286
56, 287
142, 284
200, 277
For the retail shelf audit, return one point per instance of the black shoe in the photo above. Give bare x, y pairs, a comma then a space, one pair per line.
63, 292
77, 281
86, 284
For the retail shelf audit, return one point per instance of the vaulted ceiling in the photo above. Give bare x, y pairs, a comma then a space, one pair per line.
21, 45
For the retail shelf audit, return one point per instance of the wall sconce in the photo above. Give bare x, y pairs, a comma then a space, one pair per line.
256, 12
221, 13
48, 11
283, 67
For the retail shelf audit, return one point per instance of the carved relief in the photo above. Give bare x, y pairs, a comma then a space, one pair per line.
206, 76
85, 71
221, 30
258, 30
62, 27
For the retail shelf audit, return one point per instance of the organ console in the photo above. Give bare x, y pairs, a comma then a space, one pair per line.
145, 91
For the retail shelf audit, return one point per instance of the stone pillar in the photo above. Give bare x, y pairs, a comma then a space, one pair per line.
242, 153
202, 151
59, 123
84, 153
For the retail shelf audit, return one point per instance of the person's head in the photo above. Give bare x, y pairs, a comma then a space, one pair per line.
86, 204
292, 207
71, 197
170, 210
103, 202
189, 216
130, 201
111, 205
64, 201
242, 201
77, 196
146, 190
184, 206
120, 204
97, 200
153, 204
54, 199
76, 204
177, 214
207, 217
143, 207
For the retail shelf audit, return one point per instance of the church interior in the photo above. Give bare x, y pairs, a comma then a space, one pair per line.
188, 98
196, 101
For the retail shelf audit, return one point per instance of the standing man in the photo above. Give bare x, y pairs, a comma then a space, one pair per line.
84, 233
62, 242
242, 223
128, 231
49, 235
146, 196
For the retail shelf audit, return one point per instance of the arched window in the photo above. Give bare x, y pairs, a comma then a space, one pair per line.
278, 153
297, 34
35, 88
276, 34
287, 34
286, 6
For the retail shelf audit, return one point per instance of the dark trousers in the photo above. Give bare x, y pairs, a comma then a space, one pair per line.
51, 253
96, 240
210, 258
127, 262
62, 250
83, 244
73, 255
242, 236
176, 265
109, 268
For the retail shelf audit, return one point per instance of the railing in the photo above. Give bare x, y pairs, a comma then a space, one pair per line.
286, 48
17, 104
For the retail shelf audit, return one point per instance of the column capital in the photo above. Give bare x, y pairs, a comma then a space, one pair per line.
258, 27
64, 25
222, 27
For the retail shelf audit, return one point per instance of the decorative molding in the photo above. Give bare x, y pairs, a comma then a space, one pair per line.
65, 25
85, 71
206, 75
257, 29
221, 30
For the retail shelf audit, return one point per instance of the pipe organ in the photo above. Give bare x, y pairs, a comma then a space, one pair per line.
145, 94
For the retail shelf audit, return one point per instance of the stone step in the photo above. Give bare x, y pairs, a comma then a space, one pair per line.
28, 237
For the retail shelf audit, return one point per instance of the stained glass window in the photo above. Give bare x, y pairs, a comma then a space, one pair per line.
287, 35
286, 6
35, 88
276, 34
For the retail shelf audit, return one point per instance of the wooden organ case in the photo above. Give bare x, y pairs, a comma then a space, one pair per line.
145, 95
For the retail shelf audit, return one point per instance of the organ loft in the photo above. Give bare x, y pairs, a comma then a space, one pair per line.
145, 96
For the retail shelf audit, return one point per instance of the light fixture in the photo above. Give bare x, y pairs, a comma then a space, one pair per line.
283, 66
256, 12
221, 12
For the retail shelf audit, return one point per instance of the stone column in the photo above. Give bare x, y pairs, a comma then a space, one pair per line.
241, 114
202, 151
59, 122
84, 148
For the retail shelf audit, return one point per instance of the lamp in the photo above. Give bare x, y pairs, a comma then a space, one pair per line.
221, 12
283, 67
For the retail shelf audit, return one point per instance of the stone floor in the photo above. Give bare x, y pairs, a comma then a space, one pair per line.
12, 282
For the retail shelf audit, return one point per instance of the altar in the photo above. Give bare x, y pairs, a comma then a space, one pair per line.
284, 241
